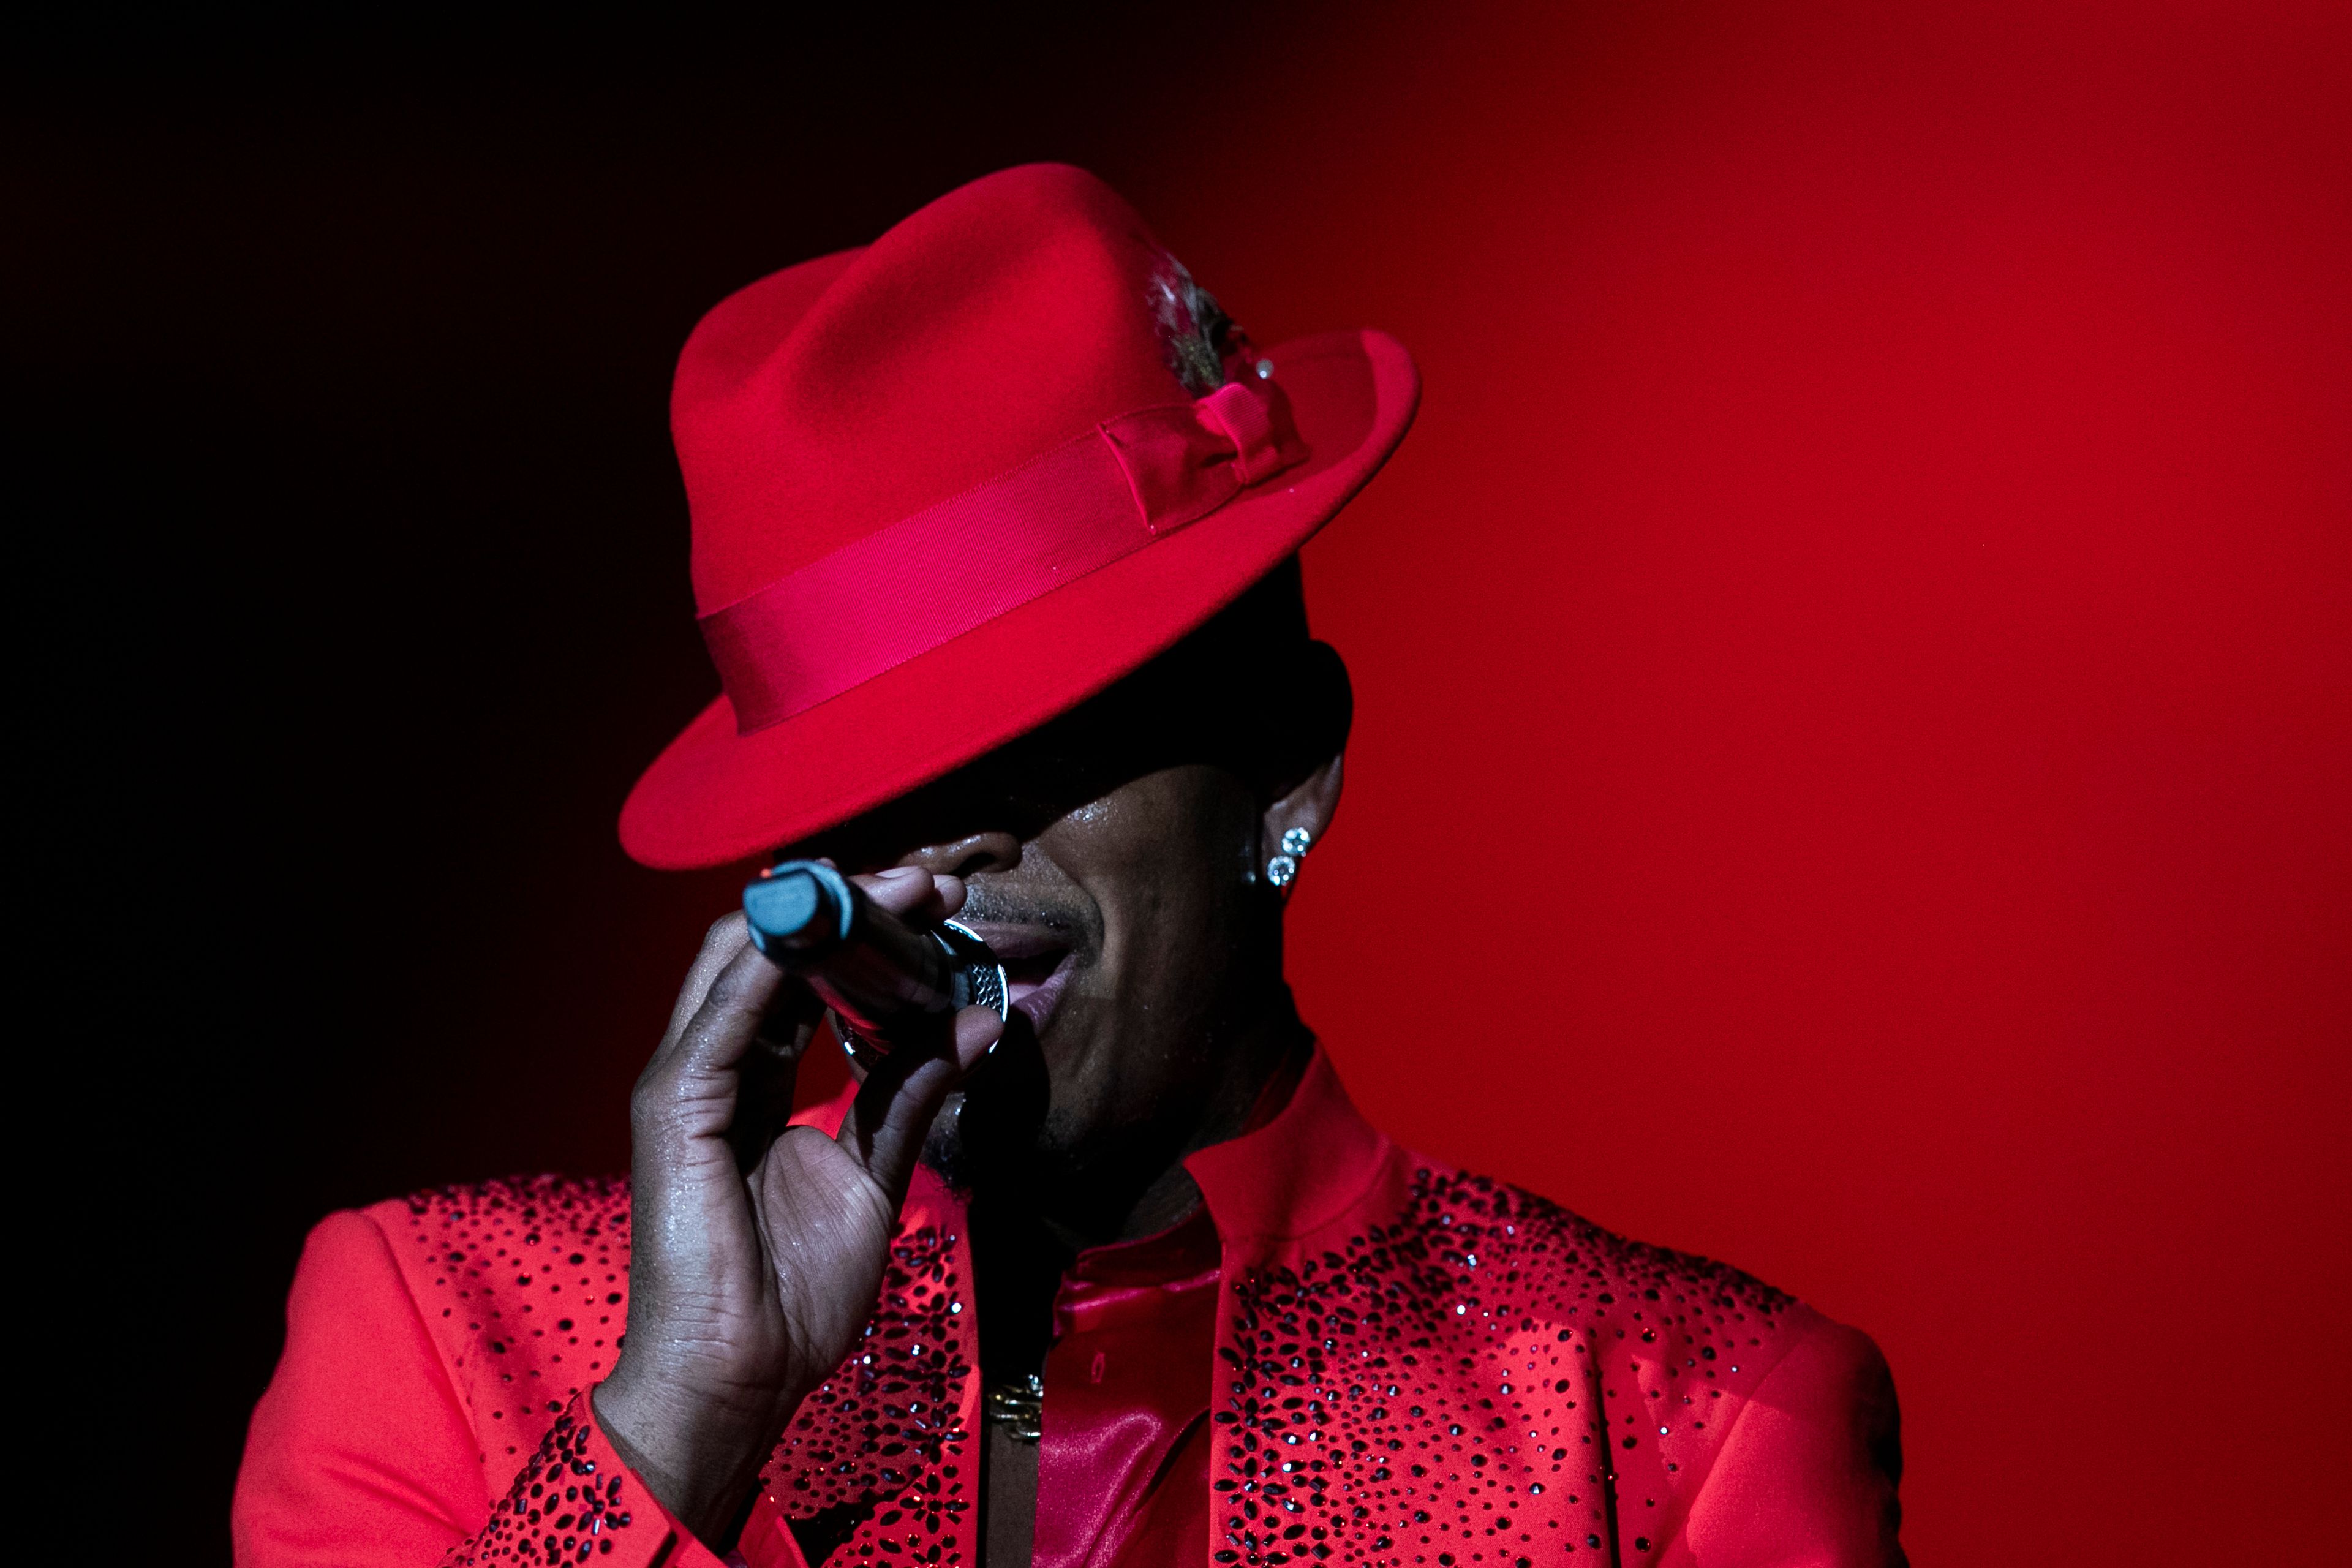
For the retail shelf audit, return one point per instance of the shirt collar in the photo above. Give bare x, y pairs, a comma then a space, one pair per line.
1298, 1172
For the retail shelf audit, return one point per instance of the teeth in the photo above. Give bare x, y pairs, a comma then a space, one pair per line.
1023, 940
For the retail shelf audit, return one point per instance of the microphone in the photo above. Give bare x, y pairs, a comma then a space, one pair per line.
890, 986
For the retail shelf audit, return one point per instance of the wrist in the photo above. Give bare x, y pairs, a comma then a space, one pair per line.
699, 1454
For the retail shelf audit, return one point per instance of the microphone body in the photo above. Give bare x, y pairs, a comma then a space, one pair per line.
891, 987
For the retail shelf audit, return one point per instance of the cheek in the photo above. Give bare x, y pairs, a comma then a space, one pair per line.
1168, 859
1189, 884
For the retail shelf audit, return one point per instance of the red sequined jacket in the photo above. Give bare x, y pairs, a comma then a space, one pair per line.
1411, 1366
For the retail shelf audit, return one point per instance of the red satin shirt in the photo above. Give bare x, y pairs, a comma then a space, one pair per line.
1358, 1357
1124, 1461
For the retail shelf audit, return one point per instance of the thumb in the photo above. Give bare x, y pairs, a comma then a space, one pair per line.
893, 1113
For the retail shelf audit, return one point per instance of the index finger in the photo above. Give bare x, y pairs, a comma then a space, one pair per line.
726, 939
727, 998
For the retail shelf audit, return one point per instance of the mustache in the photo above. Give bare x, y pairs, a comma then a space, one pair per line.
1077, 920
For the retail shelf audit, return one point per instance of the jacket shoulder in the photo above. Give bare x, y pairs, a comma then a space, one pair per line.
1554, 1263
1593, 1266
523, 1285
1456, 1334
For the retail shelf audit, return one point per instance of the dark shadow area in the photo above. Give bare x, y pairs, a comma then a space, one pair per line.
349, 580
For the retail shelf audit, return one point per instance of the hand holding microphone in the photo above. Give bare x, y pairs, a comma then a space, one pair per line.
891, 985
756, 1256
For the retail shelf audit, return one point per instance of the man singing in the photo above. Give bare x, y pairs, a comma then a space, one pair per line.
995, 525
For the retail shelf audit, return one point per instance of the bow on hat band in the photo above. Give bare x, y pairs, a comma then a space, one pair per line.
905, 589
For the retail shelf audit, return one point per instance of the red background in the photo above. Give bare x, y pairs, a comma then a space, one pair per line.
1862, 618
1865, 612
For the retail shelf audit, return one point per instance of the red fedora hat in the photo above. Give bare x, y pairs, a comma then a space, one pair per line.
950, 485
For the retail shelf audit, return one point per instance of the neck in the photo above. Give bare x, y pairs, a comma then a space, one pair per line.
1134, 1183
1247, 1099
1027, 1228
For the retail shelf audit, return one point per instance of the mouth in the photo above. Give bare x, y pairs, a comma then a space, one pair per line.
1038, 961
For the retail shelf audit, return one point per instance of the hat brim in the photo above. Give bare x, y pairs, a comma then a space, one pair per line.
713, 795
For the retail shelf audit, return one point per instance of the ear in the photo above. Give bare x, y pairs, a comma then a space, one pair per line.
1308, 808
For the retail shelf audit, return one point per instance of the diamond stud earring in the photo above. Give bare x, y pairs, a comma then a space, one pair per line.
1285, 866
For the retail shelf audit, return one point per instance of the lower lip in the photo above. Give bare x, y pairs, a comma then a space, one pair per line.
1036, 1000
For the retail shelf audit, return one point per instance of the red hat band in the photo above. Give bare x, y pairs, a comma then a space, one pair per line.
920, 582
